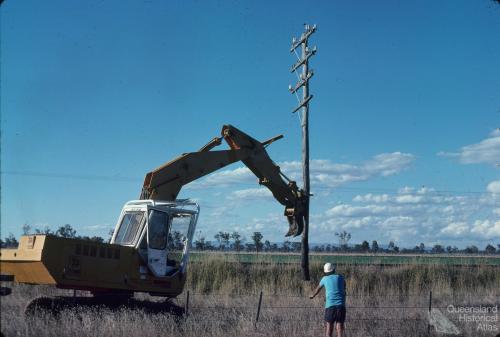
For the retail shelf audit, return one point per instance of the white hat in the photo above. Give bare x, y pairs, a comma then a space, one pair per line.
328, 268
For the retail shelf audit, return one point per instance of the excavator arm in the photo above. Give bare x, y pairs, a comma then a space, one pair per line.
165, 182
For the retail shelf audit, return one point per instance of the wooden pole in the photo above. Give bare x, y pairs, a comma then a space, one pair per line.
305, 168
304, 106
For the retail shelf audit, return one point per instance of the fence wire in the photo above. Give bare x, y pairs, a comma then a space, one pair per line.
261, 312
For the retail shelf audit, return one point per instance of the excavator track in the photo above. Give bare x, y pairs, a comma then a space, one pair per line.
57, 305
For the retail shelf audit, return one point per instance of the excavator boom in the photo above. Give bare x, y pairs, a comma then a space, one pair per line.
149, 249
165, 182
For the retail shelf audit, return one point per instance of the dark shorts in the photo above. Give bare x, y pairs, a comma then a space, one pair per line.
335, 314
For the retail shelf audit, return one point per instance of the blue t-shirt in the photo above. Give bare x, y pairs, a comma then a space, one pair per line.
335, 290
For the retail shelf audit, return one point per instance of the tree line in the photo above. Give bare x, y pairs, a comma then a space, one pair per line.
234, 241
227, 241
65, 231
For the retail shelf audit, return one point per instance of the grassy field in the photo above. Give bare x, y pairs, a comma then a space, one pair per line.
352, 259
381, 301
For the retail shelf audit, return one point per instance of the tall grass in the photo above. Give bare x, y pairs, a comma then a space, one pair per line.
223, 302
230, 277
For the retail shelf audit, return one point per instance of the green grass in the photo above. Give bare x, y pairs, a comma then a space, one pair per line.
351, 259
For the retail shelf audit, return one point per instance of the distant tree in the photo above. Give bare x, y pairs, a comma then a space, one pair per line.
45, 231
250, 247
209, 245
286, 246
223, 239
391, 245
26, 229
226, 237
267, 246
490, 249
218, 238
438, 249
199, 243
257, 240
365, 246
236, 241
296, 246
66, 231
344, 238
471, 250
274, 247
328, 247
11, 241
375, 246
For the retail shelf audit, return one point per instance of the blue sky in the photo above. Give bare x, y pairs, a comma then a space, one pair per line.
404, 139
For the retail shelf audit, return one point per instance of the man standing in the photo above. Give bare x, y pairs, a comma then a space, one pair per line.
335, 300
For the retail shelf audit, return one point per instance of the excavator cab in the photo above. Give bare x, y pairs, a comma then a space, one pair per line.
160, 231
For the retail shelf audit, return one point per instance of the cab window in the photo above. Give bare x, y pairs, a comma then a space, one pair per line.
157, 230
129, 226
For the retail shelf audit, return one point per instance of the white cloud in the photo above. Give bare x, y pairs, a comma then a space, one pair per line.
408, 199
415, 215
455, 229
486, 228
324, 173
98, 227
251, 193
224, 178
371, 198
494, 187
487, 151
345, 210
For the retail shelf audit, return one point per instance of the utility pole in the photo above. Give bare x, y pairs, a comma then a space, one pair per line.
303, 82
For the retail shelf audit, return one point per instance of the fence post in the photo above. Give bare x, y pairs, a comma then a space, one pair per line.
429, 316
186, 305
258, 309
430, 300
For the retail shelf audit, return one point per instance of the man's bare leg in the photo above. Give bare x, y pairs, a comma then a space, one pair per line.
340, 329
329, 329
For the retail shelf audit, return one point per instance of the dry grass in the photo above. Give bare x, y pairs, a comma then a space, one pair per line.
224, 297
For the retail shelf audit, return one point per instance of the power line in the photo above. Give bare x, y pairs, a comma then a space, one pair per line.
69, 176
62, 175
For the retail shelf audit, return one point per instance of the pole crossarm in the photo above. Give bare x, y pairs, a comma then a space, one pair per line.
302, 61
302, 82
303, 104
303, 37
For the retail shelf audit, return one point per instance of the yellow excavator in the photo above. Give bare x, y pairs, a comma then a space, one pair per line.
149, 249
